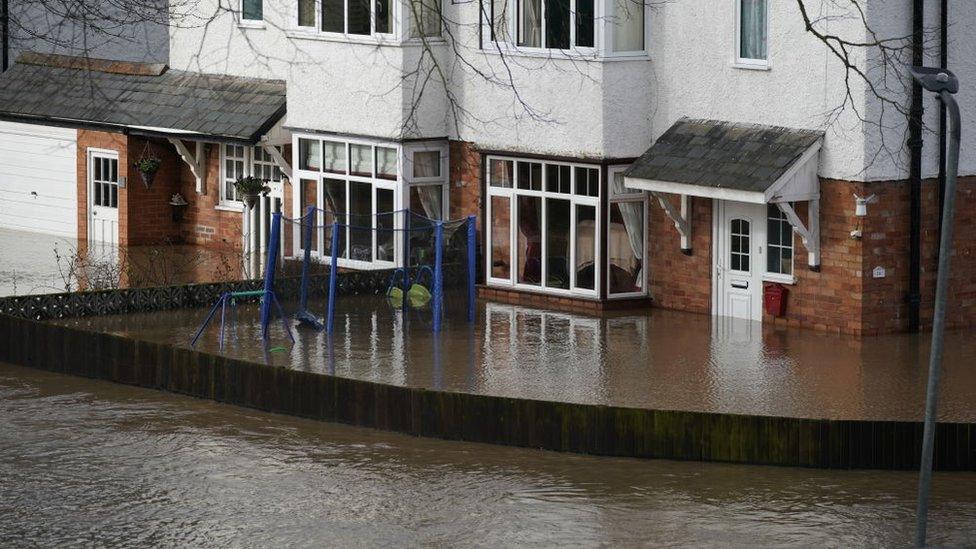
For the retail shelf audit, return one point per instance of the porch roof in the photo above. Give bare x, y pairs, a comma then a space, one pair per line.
732, 161
139, 98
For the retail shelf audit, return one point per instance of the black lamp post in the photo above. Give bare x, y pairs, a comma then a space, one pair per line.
944, 83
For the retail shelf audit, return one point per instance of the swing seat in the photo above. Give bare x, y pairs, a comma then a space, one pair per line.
306, 318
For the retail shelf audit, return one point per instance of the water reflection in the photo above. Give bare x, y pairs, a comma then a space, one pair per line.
658, 359
86, 463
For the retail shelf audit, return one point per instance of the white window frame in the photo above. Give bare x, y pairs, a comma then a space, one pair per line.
633, 196
224, 201
233, 203
512, 193
745, 62
573, 50
249, 23
319, 176
780, 277
442, 179
316, 29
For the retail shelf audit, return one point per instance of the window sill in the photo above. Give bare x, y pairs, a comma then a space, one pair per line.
789, 280
249, 24
587, 54
387, 40
236, 207
750, 66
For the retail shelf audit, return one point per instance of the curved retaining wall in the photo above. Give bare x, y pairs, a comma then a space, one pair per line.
590, 429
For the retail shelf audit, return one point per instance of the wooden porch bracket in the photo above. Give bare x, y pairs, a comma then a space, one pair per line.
809, 236
681, 219
279, 158
197, 162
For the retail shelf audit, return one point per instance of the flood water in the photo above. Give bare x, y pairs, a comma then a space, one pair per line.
34, 263
654, 359
89, 464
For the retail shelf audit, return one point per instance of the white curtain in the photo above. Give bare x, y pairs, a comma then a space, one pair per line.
752, 29
310, 153
427, 164
633, 216
530, 27
334, 156
386, 162
430, 199
360, 159
628, 25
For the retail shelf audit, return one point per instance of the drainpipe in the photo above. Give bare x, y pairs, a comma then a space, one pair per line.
943, 64
5, 31
915, 175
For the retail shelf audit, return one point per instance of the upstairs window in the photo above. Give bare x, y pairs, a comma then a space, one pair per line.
551, 24
353, 17
751, 32
252, 10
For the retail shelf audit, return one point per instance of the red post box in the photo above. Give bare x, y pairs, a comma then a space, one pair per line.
774, 299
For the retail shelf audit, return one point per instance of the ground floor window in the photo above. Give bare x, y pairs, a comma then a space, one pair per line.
239, 161
543, 225
779, 240
369, 186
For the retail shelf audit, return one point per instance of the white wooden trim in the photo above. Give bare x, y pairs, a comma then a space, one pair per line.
702, 191
196, 161
681, 218
278, 158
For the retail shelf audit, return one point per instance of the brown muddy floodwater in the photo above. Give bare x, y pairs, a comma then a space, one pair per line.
656, 359
34, 263
92, 464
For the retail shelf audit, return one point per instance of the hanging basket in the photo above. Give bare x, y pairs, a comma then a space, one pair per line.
148, 178
250, 200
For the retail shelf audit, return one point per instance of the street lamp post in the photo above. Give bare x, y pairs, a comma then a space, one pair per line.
944, 83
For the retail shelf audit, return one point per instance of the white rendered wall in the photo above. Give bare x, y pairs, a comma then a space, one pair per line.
335, 86
586, 107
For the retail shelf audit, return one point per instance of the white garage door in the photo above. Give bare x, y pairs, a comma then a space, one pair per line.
38, 179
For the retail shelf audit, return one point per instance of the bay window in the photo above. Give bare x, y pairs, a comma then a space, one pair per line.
550, 24
351, 17
751, 32
366, 185
543, 225
567, 24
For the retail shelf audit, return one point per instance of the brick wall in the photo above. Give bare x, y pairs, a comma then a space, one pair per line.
145, 216
466, 170
679, 281
96, 140
203, 223
843, 296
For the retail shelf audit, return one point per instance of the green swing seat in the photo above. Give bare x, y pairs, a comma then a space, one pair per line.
418, 295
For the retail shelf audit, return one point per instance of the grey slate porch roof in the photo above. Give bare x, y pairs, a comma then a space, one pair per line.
723, 155
72, 92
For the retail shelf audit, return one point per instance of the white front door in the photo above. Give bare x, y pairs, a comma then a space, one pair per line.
103, 196
739, 236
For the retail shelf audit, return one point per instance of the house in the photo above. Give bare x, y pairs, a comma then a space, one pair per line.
685, 155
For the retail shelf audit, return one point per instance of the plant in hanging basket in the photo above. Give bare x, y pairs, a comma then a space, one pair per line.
148, 166
249, 188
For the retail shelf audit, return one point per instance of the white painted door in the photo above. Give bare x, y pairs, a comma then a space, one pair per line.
103, 196
739, 235
38, 179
